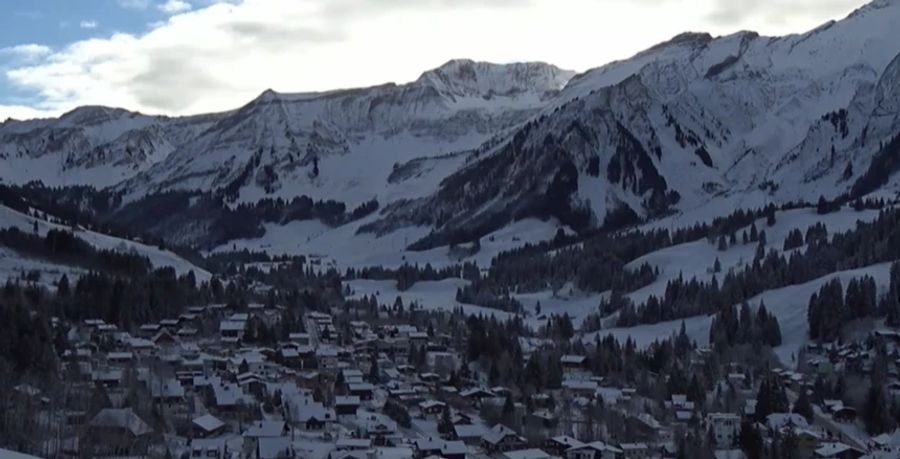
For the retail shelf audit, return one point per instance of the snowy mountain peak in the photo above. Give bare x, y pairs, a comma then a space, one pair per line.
473, 78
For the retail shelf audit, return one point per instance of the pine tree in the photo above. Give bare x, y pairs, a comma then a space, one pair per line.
803, 407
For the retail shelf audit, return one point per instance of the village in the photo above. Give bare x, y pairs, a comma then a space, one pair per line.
190, 387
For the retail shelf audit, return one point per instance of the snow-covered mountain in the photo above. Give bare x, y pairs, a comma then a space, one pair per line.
696, 122
694, 126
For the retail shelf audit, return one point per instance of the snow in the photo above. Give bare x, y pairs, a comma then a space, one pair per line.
343, 248
158, 257
430, 295
696, 259
789, 304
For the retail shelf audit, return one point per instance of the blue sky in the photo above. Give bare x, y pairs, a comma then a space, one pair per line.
191, 56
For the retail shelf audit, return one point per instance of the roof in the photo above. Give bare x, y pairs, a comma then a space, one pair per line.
533, 453
470, 430
261, 429
274, 447
208, 422
833, 449
572, 359
780, 420
355, 443
597, 446
567, 440
498, 433
123, 418
346, 400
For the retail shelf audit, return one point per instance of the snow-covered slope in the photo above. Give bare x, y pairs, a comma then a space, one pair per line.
13, 264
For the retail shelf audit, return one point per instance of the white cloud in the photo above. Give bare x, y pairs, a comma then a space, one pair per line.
88, 24
29, 50
175, 7
21, 112
220, 55
135, 4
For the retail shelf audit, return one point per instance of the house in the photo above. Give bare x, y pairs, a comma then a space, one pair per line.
573, 363
432, 408
346, 405
302, 339
207, 426
353, 444
263, 429
310, 415
476, 395
231, 331
365, 391
838, 450
377, 427
594, 450
168, 391
210, 448
275, 448
501, 438
779, 421
115, 431
724, 427
558, 446
470, 434
425, 447
533, 453
635, 450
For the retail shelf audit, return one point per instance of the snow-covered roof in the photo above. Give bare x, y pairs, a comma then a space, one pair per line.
533, 453
208, 422
274, 447
497, 433
120, 418
260, 429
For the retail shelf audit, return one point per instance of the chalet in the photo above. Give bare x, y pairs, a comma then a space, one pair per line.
263, 429
353, 444
436, 447
635, 450
346, 405
724, 427
207, 426
232, 332
525, 454
228, 396
843, 414
470, 434
120, 358
310, 415
108, 378
365, 391
501, 438
476, 395
573, 362
168, 391
432, 408
558, 446
210, 448
118, 432
838, 450
327, 358
275, 448
594, 450
378, 427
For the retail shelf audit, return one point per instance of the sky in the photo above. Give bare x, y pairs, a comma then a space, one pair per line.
179, 57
